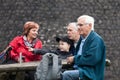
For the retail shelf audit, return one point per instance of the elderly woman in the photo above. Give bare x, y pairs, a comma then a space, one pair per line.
20, 44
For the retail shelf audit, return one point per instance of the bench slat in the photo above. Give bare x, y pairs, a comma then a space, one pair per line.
19, 67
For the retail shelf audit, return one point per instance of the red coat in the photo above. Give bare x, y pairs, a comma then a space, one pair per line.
18, 46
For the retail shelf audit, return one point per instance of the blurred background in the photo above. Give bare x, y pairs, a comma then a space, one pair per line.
54, 15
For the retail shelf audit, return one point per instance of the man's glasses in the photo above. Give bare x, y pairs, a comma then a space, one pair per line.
81, 24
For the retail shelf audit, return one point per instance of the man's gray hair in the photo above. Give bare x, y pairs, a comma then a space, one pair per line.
74, 24
88, 19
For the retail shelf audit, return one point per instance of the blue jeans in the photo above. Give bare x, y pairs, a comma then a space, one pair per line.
70, 75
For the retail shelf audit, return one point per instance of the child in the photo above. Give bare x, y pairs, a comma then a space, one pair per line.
64, 48
51, 63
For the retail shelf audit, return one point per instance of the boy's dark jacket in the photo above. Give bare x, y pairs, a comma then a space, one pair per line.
61, 54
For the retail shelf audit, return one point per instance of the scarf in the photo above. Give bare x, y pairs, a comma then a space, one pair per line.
29, 44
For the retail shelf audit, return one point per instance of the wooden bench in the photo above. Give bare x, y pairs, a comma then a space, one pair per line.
27, 66
19, 66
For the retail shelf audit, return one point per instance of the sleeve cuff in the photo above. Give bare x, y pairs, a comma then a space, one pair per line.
80, 73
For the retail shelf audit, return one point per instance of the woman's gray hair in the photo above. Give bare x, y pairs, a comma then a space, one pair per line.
88, 19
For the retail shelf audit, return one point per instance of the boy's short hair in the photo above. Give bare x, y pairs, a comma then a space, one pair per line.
64, 39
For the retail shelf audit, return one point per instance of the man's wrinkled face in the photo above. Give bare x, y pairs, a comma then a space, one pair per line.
72, 32
83, 27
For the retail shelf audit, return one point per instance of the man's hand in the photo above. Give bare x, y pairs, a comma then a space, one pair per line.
70, 59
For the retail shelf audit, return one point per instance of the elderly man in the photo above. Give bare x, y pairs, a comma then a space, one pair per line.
73, 34
90, 58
